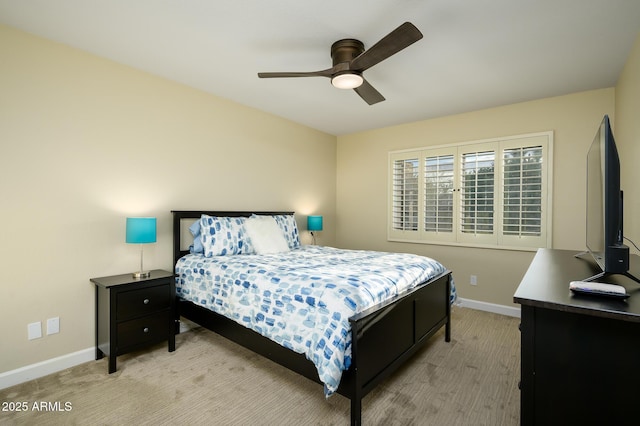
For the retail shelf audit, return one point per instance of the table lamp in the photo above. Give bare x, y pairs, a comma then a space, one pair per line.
314, 223
141, 230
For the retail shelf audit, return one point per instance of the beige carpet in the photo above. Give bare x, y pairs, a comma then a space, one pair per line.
473, 380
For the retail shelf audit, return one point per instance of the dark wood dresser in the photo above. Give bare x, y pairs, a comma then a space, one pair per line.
578, 353
132, 313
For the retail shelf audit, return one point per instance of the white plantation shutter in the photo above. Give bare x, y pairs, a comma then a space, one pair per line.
525, 193
492, 193
405, 194
438, 193
522, 191
477, 194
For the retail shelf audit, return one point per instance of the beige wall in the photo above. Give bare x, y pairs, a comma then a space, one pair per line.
85, 142
627, 134
362, 183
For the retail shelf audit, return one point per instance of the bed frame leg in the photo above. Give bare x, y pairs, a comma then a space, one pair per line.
356, 390
447, 330
356, 411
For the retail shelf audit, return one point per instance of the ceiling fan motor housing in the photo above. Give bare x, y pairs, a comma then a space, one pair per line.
345, 50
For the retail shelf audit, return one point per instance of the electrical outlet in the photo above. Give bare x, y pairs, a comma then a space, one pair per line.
34, 330
473, 280
53, 325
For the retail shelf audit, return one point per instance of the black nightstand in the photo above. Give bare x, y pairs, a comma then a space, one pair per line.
132, 313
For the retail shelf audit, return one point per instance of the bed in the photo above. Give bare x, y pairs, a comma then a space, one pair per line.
364, 335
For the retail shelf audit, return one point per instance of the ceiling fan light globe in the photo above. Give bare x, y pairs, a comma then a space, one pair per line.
347, 81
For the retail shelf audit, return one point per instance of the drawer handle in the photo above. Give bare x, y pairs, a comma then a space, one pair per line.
145, 301
146, 329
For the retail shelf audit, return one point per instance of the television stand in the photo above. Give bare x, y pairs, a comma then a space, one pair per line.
604, 273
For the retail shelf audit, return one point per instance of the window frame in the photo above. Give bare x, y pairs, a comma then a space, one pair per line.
498, 239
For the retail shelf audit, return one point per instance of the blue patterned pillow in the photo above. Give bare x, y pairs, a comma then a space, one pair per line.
223, 236
287, 223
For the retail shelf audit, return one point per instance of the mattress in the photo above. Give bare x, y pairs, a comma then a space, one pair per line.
303, 298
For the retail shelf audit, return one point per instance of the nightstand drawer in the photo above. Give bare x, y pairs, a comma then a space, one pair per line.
141, 302
143, 330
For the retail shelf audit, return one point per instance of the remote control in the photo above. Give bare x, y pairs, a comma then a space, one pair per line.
586, 287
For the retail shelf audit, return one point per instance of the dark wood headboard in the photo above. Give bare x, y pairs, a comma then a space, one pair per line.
179, 215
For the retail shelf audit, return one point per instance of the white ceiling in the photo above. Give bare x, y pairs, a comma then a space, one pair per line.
475, 53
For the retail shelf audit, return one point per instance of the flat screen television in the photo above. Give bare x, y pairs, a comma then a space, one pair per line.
604, 206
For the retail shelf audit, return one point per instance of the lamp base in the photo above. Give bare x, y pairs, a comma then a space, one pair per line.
141, 274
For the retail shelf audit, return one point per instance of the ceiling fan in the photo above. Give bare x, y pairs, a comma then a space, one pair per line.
350, 60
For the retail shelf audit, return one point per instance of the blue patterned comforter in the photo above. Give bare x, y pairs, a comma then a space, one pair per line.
302, 299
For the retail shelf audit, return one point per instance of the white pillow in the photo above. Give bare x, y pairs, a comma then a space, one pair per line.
266, 235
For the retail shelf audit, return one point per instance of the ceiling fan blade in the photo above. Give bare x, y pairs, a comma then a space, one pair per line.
369, 93
398, 39
323, 73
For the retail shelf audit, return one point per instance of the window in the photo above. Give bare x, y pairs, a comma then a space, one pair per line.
494, 193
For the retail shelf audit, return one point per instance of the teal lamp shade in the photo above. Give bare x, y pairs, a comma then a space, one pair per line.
314, 223
141, 230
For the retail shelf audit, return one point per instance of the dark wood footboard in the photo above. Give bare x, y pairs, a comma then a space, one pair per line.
384, 336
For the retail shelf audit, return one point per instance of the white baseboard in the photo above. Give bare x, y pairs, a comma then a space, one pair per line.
44, 368
511, 311
50, 366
